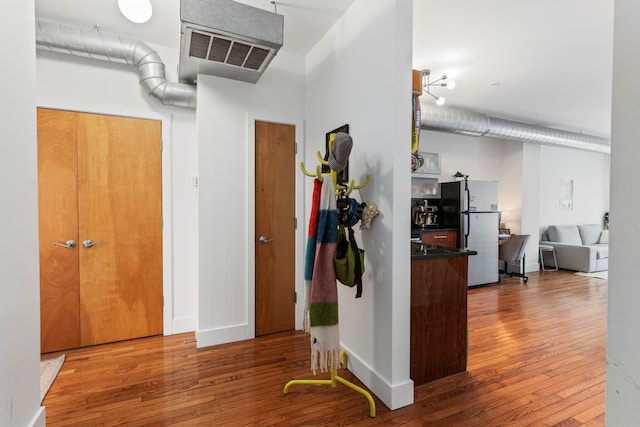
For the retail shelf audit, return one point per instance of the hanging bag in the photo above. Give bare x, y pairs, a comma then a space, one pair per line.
349, 268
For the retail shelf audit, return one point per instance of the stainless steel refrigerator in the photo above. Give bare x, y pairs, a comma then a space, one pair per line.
471, 207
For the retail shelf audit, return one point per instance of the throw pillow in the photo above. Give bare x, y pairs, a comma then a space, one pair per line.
604, 237
590, 233
564, 234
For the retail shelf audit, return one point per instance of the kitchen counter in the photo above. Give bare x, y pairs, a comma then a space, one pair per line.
438, 311
422, 250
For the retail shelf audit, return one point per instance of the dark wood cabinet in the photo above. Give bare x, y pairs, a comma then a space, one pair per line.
438, 318
448, 238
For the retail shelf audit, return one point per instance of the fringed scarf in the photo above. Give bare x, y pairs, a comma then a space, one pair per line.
321, 293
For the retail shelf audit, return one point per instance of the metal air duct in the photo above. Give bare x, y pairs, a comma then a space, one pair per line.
96, 45
227, 39
471, 123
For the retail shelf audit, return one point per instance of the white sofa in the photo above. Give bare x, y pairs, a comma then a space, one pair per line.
578, 247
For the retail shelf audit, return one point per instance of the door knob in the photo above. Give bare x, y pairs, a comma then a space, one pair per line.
88, 243
69, 244
265, 239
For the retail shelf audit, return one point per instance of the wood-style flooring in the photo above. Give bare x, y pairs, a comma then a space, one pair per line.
536, 357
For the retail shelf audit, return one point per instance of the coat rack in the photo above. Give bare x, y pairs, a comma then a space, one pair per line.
335, 378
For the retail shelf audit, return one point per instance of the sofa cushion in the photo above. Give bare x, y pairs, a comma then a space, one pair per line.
602, 251
568, 234
604, 237
590, 233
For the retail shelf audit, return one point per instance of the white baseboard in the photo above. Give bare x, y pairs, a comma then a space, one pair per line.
208, 337
40, 418
531, 267
394, 396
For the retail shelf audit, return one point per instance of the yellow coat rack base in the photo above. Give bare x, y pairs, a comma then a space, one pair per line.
335, 378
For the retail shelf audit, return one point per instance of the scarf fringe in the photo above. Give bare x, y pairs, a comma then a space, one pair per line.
328, 360
325, 348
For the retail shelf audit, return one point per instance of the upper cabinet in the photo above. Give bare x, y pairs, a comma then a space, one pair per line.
417, 82
428, 164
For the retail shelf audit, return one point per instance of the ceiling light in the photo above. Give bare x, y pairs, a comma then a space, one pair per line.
138, 11
427, 84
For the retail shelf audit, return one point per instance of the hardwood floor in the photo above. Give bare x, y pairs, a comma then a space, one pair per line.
536, 357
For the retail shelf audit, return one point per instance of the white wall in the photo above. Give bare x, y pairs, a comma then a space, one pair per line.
79, 84
589, 172
504, 161
19, 278
226, 191
530, 209
511, 181
359, 74
623, 343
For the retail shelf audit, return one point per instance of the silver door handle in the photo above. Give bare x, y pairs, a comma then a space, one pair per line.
265, 239
88, 243
69, 244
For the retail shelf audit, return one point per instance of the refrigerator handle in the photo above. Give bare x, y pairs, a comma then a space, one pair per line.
467, 230
468, 195
468, 209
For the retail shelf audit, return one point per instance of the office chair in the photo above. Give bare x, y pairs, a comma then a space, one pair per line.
512, 251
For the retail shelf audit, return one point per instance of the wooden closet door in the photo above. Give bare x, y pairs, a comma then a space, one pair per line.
99, 179
275, 219
58, 223
120, 206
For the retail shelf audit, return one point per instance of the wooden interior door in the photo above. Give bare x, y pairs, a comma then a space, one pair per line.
275, 227
120, 206
58, 224
100, 181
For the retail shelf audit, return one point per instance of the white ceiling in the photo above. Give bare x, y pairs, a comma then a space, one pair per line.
545, 62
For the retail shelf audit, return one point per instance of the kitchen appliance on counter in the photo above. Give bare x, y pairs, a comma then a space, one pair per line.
423, 215
471, 207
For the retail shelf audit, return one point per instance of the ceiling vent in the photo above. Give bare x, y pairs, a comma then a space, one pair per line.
227, 39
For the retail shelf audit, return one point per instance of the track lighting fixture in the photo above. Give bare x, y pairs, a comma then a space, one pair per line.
442, 81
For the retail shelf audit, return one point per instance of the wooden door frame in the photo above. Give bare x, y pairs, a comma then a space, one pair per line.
167, 200
251, 217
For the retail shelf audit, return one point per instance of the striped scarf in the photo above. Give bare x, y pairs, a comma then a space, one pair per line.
321, 293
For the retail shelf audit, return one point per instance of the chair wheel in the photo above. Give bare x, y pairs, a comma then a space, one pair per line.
525, 279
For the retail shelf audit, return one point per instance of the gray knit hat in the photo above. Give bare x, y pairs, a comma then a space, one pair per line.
340, 151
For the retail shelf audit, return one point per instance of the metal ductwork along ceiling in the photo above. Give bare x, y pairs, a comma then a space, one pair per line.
96, 45
227, 39
454, 120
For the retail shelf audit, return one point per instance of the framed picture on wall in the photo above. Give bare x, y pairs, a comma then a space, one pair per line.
566, 194
343, 176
